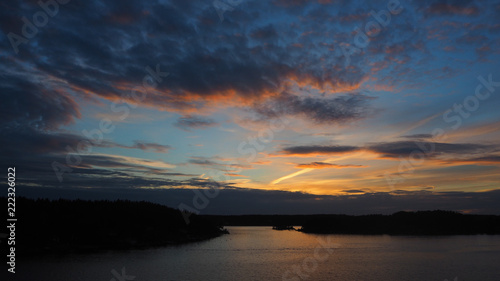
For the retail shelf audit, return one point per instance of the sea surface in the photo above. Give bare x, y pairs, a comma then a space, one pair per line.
260, 253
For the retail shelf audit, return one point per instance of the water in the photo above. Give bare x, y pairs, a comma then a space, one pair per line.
260, 253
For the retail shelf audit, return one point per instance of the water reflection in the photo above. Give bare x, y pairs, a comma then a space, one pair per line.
260, 253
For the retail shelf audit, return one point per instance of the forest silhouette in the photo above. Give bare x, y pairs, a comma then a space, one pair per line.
62, 226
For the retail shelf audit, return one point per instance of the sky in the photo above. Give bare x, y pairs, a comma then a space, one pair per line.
249, 107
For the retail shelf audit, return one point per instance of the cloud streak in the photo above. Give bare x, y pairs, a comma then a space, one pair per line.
431, 149
307, 150
322, 165
194, 122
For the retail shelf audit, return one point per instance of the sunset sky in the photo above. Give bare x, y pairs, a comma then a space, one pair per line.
283, 106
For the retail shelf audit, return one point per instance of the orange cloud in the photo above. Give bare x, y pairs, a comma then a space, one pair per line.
322, 165
330, 86
235, 175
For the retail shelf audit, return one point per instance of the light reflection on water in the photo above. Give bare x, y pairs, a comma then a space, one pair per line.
260, 253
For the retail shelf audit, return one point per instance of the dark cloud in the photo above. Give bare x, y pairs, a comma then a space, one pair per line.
151, 146
398, 149
207, 60
31, 104
112, 161
291, 3
107, 56
448, 7
264, 33
485, 159
319, 149
31, 142
194, 122
176, 174
353, 191
238, 58
340, 109
99, 171
321, 165
47, 158
418, 136
490, 158
430, 149
203, 162
210, 162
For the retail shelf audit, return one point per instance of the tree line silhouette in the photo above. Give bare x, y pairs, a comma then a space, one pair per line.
46, 226
401, 223
407, 223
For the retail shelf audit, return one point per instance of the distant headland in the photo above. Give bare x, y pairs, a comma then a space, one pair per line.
401, 223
